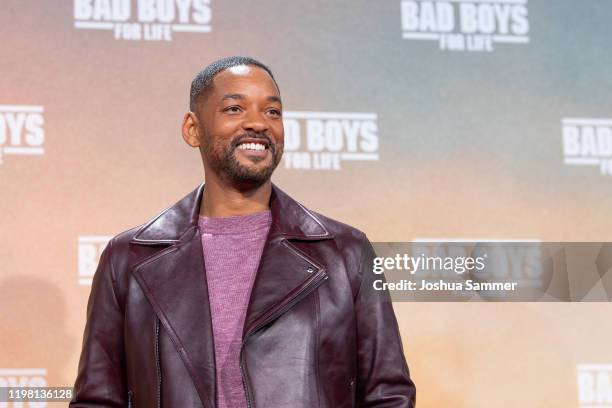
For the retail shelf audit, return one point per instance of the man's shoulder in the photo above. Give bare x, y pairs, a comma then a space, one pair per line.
119, 244
123, 238
339, 230
164, 227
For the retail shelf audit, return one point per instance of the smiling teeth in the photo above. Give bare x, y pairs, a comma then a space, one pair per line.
251, 146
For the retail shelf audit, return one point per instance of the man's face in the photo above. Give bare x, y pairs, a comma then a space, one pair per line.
241, 126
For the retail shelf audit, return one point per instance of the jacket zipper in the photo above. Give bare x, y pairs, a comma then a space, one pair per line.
130, 399
306, 290
157, 364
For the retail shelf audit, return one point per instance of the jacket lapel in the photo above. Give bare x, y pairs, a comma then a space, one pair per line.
285, 275
174, 282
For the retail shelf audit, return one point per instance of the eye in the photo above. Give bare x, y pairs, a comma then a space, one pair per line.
232, 109
275, 112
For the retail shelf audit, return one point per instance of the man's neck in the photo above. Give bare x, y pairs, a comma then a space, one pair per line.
221, 200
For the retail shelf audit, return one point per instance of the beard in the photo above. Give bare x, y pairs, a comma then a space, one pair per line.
222, 160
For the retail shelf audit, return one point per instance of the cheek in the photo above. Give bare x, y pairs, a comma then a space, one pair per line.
223, 127
222, 135
228, 127
279, 134
280, 143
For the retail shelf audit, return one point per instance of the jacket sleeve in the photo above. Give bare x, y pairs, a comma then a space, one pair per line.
101, 375
383, 377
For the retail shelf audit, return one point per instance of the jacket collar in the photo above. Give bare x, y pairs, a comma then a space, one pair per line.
290, 220
172, 280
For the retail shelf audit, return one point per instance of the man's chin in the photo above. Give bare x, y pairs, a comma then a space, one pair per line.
245, 172
250, 176
251, 160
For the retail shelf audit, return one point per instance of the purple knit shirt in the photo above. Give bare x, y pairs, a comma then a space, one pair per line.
232, 251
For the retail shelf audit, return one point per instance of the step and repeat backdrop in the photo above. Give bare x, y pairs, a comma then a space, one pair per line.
409, 119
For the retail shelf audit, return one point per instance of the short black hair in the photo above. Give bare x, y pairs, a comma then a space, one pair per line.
202, 83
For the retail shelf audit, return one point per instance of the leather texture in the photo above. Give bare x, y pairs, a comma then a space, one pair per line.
312, 337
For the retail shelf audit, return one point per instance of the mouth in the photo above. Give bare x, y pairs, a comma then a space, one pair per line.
254, 149
258, 146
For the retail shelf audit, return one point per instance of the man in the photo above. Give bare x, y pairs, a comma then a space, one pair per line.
238, 296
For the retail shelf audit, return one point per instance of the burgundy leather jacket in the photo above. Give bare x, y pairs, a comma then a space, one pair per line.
311, 337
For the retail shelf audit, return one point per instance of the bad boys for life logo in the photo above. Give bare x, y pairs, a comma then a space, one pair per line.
466, 25
513, 260
595, 385
89, 250
323, 140
22, 377
21, 130
588, 142
148, 20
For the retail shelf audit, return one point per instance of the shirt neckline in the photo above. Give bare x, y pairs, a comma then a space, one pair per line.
235, 224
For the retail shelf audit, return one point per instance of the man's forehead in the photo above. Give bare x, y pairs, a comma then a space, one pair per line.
240, 77
240, 69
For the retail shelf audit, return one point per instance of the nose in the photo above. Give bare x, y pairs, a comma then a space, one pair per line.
255, 121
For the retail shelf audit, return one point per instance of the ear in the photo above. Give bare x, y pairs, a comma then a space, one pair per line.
190, 129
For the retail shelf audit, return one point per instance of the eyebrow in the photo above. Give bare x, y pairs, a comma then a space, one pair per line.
241, 96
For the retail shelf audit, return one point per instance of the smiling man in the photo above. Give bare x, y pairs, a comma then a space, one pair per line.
237, 295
